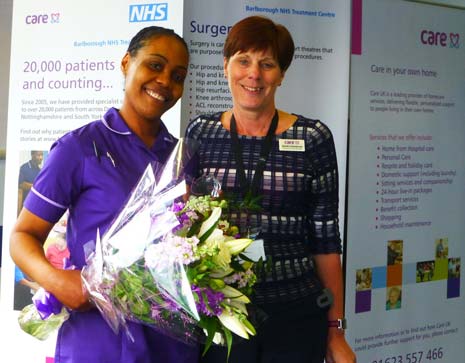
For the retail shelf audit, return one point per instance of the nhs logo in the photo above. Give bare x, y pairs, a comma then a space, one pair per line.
148, 12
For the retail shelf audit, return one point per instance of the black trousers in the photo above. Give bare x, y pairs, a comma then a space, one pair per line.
292, 333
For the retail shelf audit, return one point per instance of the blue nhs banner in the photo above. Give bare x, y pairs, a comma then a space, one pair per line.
148, 12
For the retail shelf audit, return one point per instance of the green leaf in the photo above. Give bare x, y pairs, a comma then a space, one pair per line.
236, 265
191, 273
245, 258
208, 233
228, 337
211, 326
194, 230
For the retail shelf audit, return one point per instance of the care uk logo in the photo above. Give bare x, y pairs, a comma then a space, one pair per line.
148, 12
47, 18
440, 39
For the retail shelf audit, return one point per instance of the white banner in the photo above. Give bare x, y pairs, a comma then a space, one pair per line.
406, 192
317, 82
65, 62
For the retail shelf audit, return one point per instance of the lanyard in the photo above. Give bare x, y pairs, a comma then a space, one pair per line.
264, 152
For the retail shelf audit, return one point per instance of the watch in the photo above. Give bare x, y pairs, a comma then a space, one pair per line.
338, 323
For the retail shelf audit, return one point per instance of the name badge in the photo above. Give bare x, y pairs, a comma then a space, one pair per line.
291, 145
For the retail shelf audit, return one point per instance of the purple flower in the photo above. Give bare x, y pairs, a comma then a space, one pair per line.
209, 301
177, 207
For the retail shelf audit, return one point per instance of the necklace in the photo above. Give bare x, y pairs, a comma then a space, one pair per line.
247, 188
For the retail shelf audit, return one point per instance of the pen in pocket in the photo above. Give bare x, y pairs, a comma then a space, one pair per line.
111, 159
97, 154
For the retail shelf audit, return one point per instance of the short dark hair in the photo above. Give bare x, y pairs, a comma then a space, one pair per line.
138, 41
260, 33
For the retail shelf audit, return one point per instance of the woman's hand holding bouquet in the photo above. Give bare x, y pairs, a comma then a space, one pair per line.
176, 266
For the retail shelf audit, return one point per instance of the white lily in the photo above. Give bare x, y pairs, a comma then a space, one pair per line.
239, 305
220, 273
211, 221
230, 321
215, 236
232, 293
236, 246
217, 337
249, 327
223, 258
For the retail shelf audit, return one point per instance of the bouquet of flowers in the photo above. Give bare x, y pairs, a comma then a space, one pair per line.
177, 266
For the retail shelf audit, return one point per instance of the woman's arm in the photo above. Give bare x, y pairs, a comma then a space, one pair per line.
329, 270
26, 249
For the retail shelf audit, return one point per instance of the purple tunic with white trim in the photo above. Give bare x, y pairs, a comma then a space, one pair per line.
91, 171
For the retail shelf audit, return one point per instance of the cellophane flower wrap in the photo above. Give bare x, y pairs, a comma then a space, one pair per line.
46, 314
174, 265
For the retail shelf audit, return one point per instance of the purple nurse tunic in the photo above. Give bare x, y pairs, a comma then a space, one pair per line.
91, 172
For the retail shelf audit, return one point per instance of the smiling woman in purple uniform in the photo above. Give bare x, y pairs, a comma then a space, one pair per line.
90, 172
